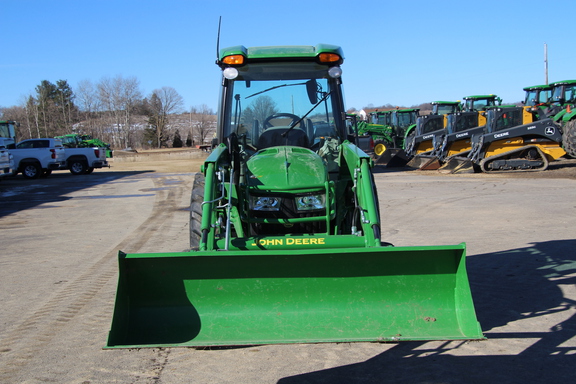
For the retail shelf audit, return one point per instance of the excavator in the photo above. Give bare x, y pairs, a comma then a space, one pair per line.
285, 239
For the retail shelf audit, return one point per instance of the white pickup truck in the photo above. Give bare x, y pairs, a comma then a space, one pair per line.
36, 157
82, 161
6, 158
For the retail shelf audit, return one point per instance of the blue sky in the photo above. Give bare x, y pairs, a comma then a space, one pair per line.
400, 53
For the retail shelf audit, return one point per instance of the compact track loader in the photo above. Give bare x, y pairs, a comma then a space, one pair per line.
515, 139
460, 128
285, 230
423, 145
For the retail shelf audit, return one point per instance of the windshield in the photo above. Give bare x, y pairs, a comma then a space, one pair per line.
479, 104
405, 119
276, 98
565, 92
462, 121
531, 98
537, 96
444, 109
382, 118
429, 124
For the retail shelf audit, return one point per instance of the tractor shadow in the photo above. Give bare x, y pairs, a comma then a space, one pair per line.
517, 285
19, 194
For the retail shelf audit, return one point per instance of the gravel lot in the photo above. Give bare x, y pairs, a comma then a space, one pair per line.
58, 274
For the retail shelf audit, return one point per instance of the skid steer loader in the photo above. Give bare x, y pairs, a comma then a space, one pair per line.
461, 127
515, 139
285, 230
430, 130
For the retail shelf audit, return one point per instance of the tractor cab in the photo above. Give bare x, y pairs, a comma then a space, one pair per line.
537, 95
481, 102
564, 92
270, 104
8, 132
445, 107
382, 118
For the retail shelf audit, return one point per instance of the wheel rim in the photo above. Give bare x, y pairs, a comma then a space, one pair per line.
30, 171
77, 167
379, 149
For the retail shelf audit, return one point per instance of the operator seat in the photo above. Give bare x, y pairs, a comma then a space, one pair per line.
273, 137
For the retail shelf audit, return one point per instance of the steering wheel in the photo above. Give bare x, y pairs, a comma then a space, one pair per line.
267, 123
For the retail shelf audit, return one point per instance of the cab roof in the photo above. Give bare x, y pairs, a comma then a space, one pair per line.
281, 51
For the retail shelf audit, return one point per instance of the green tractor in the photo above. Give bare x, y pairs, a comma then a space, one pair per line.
379, 129
562, 110
403, 125
75, 140
397, 126
285, 230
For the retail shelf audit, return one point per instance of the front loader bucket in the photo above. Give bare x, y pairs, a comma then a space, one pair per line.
393, 158
226, 298
424, 162
458, 165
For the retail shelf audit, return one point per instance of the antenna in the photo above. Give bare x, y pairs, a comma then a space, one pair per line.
218, 40
546, 63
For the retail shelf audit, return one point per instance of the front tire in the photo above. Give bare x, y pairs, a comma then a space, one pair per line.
569, 138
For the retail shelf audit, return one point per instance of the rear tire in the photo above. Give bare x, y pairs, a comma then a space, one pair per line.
569, 138
31, 170
196, 201
78, 167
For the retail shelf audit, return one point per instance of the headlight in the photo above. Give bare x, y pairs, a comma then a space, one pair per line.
310, 202
265, 203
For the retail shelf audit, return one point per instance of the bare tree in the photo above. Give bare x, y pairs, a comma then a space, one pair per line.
87, 96
119, 97
161, 103
32, 115
202, 122
89, 106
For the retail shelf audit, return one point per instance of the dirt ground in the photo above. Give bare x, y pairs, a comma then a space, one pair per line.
563, 168
58, 278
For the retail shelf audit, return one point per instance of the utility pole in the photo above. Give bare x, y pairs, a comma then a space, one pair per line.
546, 63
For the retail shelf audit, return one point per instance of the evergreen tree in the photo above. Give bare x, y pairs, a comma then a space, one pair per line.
177, 141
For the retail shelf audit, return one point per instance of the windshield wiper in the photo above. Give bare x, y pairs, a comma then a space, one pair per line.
269, 89
307, 113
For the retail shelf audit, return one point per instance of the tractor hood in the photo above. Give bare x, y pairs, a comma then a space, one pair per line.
286, 168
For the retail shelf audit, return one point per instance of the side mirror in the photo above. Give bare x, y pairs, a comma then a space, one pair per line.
312, 90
